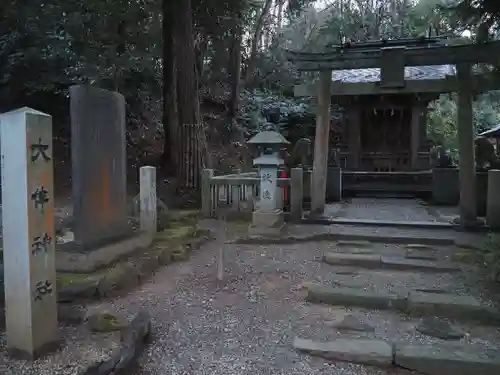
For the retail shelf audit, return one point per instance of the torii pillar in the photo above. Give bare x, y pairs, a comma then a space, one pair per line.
318, 192
467, 163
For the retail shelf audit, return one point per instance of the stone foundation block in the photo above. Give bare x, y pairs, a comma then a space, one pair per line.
367, 352
449, 359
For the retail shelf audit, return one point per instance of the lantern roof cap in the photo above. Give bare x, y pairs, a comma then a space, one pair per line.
268, 137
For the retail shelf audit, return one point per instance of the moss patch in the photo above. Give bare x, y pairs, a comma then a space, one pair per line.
104, 322
65, 279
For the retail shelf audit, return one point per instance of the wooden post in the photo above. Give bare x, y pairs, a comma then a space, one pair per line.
318, 193
468, 205
354, 133
415, 136
297, 194
235, 193
206, 192
28, 233
148, 203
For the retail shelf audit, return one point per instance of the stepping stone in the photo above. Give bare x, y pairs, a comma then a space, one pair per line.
447, 359
354, 250
348, 273
353, 297
354, 244
419, 247
420, 255
353, 323
433, 290
403, 264
439, 328
358, 260
362, 351
453, 306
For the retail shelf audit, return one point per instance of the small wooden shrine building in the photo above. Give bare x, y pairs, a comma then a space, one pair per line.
385, 87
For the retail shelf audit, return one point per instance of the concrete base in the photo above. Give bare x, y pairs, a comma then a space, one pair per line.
267, 223
89, 261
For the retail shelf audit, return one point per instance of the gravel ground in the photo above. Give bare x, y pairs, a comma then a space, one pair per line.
81, 348
246, 324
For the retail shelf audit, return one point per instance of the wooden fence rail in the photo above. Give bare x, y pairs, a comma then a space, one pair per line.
239, 192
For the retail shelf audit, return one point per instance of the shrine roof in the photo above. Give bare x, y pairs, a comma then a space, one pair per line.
411, 73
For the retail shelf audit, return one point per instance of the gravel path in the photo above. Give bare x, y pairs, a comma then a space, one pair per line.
246, 325
81, 349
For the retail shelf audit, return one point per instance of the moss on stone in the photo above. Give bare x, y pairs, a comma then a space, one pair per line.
65, 279
104, 322
179, 253
176, 233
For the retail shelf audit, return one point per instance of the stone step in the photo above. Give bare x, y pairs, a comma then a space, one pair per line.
465, 308
362, 351
373, 261
426, 359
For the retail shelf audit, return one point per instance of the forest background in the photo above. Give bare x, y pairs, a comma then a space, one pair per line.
199, 75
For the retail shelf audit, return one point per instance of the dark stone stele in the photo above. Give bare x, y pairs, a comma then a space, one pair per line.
98, 146
134, 339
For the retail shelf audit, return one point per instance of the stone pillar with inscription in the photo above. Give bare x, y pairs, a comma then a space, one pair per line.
28, 233
268, 219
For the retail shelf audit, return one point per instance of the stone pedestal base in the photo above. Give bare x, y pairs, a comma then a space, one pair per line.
267, 223
445, 186
334, 184
493, 200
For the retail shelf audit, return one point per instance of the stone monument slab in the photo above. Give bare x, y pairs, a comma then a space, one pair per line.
99, 171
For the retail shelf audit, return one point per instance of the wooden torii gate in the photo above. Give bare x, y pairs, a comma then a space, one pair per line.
392, 57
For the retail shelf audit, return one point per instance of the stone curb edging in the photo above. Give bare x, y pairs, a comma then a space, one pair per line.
319, 237
134, 339
465, 308
426, 359
379, 223
133, 274
372, 261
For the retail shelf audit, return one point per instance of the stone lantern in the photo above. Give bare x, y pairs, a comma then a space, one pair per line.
268, 217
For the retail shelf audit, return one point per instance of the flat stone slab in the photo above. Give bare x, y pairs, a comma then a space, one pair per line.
354, 323
439, 359
372, 261
356, 260
439, 328
465, 308
352, 297
405, 264
367, 352
355, 244
454, 306
387, 223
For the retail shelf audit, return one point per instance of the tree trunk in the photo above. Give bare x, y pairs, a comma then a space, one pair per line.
235, 67
170, 123
257, 36
190, 137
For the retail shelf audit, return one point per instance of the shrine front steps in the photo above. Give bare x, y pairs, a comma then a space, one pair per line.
426, 359
316, 233
413, 303
417, 262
